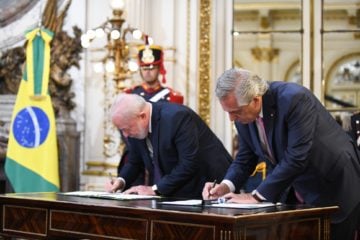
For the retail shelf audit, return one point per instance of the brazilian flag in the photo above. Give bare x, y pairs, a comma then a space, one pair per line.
32, 156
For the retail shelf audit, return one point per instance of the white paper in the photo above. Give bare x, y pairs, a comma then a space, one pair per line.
190, 202
83, 193
119, 196
243, 205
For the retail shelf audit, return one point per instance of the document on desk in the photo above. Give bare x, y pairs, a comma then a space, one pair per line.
190, 202
217, 203
117, 196
244, 205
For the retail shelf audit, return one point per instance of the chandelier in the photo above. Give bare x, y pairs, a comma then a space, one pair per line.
121, 45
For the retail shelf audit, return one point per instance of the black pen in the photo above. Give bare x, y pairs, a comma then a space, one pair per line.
213, 185
111, 179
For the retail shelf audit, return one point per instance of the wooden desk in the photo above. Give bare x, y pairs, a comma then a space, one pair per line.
56, 216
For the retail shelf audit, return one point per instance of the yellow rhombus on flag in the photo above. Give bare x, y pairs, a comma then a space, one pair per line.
32, 156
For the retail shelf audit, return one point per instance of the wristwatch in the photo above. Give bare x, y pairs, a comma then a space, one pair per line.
155, 189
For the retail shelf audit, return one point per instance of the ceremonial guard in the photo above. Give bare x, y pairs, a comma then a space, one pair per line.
151, 61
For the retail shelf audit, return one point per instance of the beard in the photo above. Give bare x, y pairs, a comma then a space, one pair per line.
142, 132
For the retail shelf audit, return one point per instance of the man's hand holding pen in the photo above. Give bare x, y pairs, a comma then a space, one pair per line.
114, 184
212, 190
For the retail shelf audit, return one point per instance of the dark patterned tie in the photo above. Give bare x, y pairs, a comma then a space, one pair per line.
157, 172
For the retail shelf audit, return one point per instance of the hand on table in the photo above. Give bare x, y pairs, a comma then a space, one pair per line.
141, 190
240, 198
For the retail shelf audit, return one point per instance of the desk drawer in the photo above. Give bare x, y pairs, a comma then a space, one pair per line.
97, 225
181, 231
18, 219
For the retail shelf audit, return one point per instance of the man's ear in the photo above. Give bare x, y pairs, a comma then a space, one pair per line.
257, 100
142, 115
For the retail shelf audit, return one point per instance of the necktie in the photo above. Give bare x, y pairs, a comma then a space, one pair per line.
157, 172
263, 139
299, 197
150, 147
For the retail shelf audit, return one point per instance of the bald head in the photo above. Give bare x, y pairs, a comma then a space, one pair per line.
127, 105
130, 114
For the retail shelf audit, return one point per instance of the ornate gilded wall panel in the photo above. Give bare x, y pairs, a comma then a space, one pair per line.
204, 60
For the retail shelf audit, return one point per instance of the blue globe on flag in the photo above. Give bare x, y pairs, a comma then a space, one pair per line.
31, 127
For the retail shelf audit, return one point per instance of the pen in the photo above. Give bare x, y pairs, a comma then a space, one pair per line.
213, 185
111, 179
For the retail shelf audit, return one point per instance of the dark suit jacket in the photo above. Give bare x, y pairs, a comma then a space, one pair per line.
188, 152
312, 152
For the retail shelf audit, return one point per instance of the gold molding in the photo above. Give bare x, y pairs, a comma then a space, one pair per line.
204, 60
265, 22
188, 47
312, 45
265, 6
101, 164
264, 53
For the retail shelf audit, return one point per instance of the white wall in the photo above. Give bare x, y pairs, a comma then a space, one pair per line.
221, 60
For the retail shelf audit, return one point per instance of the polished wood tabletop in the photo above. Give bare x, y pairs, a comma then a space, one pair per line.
59, 216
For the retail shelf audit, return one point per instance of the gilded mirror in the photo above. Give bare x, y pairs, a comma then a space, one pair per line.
267, 38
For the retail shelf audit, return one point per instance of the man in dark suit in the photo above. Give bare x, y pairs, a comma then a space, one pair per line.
151, 62
171, 141
307, 147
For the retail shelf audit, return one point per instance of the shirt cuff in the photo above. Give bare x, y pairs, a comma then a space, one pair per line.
258, 196
122, 180
229, 184
155, 189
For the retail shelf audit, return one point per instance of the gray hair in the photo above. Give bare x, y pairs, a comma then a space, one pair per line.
243, 83
127, 105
